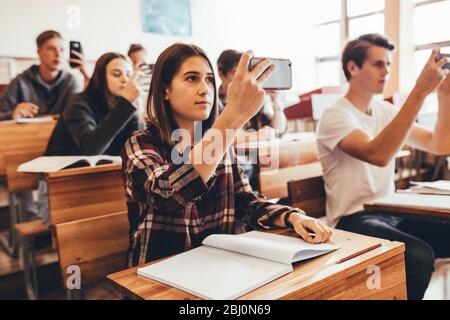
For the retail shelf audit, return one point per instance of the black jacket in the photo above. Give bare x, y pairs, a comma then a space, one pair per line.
89, 128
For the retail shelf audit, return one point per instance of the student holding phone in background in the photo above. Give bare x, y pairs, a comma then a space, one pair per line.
42, 89
172, 205
138, 56
100, 119
358, 139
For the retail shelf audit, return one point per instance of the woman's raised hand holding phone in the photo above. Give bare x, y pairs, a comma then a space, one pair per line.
245, 93
132, 91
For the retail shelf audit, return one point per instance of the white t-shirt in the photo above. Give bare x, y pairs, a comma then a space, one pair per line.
349, 182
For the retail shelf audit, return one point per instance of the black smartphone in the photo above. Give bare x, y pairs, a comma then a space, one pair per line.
281, 78
75, 46
446, 55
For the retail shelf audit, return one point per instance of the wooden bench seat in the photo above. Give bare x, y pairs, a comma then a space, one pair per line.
32, 229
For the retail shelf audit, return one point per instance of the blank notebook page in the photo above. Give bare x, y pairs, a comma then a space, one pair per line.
215, 274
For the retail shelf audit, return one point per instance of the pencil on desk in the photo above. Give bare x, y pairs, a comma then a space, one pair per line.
356, 254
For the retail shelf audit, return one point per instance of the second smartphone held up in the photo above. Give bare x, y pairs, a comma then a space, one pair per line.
281, 78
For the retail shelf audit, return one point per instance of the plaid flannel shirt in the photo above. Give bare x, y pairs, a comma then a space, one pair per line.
171, 209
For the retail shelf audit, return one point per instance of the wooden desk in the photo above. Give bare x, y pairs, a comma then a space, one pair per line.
88, 213
20, 138
294, 149
88, 220
86, 192
20, 143
278, 161
293, 158
317, 279
447, 172
422, 212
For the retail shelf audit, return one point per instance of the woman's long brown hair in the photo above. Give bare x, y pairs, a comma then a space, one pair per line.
167, 66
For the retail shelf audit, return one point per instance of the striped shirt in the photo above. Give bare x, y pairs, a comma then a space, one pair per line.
171, 209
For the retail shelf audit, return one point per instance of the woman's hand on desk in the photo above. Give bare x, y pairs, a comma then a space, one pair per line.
304, 226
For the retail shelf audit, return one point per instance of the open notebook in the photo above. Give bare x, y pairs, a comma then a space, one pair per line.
54, 164
437, 187
228, 266
440, 202
34, 120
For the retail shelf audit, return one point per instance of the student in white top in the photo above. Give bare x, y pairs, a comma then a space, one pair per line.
358, 139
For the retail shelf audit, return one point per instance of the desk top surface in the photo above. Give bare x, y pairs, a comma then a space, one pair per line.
288, 140
412, 204
307, 275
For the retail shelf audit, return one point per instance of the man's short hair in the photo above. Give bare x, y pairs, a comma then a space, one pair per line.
45, 36
135, 47
228, 60
357, 49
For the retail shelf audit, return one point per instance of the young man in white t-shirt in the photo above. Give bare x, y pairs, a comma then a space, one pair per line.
358, 139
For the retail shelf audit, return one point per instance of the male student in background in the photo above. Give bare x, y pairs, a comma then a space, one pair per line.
138, 55
358, 139
44, 88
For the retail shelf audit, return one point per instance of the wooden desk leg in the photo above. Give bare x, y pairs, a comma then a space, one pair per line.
29, 268
75, 294
11, 243
446, 280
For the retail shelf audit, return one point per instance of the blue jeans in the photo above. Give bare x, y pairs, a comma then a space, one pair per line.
423, 240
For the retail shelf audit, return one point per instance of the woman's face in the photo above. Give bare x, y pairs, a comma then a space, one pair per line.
191, 93
118, 71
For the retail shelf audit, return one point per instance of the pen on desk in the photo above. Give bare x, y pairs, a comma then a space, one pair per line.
356, 254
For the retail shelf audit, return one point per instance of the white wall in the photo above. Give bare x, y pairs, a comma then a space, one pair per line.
281, 28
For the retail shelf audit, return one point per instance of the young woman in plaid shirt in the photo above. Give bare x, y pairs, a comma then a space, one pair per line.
173, 205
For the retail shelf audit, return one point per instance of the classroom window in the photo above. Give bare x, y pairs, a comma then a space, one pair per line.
328, 73
358, 7
429, 32
365, 17
367, 24
331, 33
328, 40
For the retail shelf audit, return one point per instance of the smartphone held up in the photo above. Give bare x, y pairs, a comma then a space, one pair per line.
75, 46
444, 55
281, 77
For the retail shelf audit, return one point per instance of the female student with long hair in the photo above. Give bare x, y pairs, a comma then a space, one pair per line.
99, 120
173, 205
